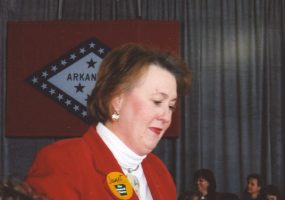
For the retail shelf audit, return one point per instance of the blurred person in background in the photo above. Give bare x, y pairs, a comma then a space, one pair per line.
253, 187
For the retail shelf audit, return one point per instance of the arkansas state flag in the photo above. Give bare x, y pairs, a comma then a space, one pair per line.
52, 68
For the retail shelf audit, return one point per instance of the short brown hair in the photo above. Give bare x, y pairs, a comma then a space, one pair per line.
120, 70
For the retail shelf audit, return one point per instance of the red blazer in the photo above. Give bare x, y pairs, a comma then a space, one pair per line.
76, 168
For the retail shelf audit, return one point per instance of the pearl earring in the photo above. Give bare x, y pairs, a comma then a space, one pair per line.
115, 116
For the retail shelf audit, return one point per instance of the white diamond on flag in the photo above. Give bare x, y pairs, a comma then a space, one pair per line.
69, 80
79, 78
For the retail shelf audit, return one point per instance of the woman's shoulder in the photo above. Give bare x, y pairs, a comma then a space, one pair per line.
63, 147
151, 157
154, 161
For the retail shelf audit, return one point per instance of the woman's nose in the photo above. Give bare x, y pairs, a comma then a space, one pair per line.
165, 114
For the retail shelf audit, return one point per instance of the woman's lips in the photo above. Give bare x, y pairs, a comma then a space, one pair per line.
155, 130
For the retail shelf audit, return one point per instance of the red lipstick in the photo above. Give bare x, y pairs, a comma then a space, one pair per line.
156, 130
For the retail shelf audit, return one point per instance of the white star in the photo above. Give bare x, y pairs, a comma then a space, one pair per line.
63, 62
67, 102
34, 80
60, 97
51, 91
44, 86
84, 113
82, 50
53, 68
92, 45
72, 56
44, 74
101, 51
76, 108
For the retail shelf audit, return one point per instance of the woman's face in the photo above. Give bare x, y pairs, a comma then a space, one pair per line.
202, 185
252, 186
146, 110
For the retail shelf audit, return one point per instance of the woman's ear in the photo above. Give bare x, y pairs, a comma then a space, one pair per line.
117, 102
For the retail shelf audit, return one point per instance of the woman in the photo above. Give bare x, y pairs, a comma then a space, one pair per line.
205, 183
132, 104
253, 187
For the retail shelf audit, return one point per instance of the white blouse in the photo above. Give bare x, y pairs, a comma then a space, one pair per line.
126, 158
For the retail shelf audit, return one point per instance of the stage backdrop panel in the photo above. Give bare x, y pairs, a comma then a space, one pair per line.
52, 66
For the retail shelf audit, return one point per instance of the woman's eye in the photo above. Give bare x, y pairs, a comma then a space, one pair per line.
172, 108
157, 102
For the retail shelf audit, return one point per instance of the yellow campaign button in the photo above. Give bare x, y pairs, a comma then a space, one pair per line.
119, 185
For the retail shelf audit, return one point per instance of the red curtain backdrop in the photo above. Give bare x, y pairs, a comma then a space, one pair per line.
33, 45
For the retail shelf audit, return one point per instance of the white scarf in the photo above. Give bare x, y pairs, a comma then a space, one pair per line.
126, 158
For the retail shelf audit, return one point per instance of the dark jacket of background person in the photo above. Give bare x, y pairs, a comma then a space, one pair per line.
270, 191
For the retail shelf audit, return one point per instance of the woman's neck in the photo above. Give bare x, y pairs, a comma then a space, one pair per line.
122, 153
254, 195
